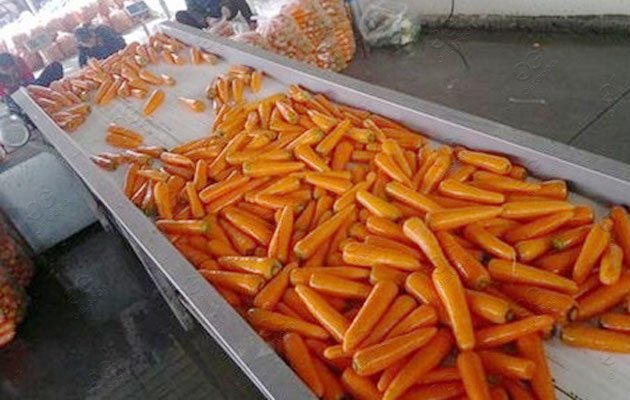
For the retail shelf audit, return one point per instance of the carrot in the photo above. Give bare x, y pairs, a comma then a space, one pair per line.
396, 312
378, 357
331, 139
603, 298
531, 249
359, 387
341, 156
242, 242
454, 188
570, 237
367, 255
489, 307
538, 227
518, 172
594, 246
473, 375
497, 164
502, 334
581, 215
383, 273
472, 272
411, 197
611, 264
419, 233
162, 200
532, 209
531, 347
306, 154
193, 104
420, 285
458, 217
560, 262
393, 149
332, 386
513, 272
437, 391
280, 241
420, 317
268, 168
378, 206
276, 322
502, 364
451, 292
250, 224
596, 339
320, 309
386, 164
461, 174
307, 246
621, 228
186, 227
265, 267
384, 227
301, 276
500, 183
377, 302
423, 361
338, 287
493, 245
436, 173
615, 322
247, 284
156, 98
273, 291
544, 301
301, 361
517, 390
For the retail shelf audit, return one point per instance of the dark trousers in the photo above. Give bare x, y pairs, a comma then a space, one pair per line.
50, 73
186, 18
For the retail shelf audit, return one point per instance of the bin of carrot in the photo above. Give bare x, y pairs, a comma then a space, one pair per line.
378, 265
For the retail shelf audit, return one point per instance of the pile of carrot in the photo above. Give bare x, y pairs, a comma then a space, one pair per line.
377, 265
122, 75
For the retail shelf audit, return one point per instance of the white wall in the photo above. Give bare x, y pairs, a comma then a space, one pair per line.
516, 7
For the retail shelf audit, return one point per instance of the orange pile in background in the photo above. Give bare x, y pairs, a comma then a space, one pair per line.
366, 257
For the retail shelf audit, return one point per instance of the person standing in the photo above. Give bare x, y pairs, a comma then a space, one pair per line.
14, 73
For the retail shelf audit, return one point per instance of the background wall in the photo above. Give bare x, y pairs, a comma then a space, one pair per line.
516, 7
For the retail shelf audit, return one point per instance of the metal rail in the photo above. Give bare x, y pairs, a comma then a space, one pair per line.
591, 175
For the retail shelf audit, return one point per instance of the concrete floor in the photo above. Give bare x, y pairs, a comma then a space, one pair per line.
573, 89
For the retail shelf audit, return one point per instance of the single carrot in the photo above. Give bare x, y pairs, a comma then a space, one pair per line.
451, 292
596, 339
332, 385
250, 224
621, 228
265, 267
560, 262
582, 215
517, 390
156, 98
195, 105
366, 255
307, 246
611, 264
301, 361
386, 164
498, 335
489, 307
603, 298
570, 237
493, 245
594, 246
186, 227
380, 273
247, 284
513, 272
538, 227
490, 162
531, 249
338, 287
162, 200
273, 291
331, 139
301, 276
359, 387
384, 227
280, 241
518, 172
436, 391
454, 188
555, 189
269, 168
458, 217
320, 309
370, 360
462, 173
503, 364
544, 301
615, 322
423, 361
377, 302
332, 184
422, 316
472, 272
420, 285
277, 322
500, 183
531, 347
532, 209
417, 231
402, 306
378, 206
436, 173
473, 375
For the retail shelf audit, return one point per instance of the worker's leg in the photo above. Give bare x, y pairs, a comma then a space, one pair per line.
51, 73
184, 17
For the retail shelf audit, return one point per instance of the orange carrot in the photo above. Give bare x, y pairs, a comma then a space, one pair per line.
273, 291
247, 284
493, 245
378, 357
359, 387
594, 246
386, 164
513, 272
454, 188
423, 361
615, 322
154, 101
250, 224
186, 227
500, 183
451, 292
420, 317
502, 364
532, 209
596, 339
490, 307
544, 301
497, 164
384, 273
331, 139
366, 255
458, 217
603, 298
162, 200
338, 287
194, 104
501, 334
473, 375
378, 206
397, 311
372, 310
419, 233
436, 391
265, 267
621, 227
570, 237
332, 386
560, 262
472, 272
611, 264
277, 322
435, 173
280, 241
538, 227
328, 317
531, 347
307, 246
301, 361
385, 227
